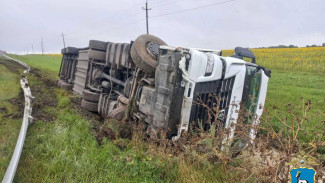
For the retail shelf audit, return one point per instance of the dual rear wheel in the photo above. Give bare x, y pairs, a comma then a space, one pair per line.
90, 100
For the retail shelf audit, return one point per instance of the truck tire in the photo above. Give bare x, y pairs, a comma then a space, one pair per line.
90, 96
72, 50
144, 52
65, 85
63, 51
97, 55
89, 106
98, 45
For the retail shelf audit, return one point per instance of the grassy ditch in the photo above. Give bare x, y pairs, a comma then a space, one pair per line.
11, 110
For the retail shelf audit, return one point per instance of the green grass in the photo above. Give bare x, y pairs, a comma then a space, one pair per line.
295, 88
9, 127
9, 84
48, 63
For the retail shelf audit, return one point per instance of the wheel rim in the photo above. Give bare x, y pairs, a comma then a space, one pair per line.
153, 48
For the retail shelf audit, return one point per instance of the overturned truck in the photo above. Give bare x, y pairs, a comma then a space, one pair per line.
169, 88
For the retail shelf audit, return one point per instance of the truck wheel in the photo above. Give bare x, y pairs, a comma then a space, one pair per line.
90, 96
63, 51
89, 106
72, 50
145, 51
97, 55
98, 45
65, 85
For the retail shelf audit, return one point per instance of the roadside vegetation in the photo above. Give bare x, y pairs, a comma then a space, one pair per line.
49, 63
67, 144
10, 110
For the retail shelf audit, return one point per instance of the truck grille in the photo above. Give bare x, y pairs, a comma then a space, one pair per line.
209, 95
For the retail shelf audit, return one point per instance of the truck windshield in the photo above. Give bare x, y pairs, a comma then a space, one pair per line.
251, 92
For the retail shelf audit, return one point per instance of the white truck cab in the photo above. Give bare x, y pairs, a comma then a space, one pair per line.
230, 83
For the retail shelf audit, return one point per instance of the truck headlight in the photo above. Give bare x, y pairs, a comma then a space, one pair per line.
210, 65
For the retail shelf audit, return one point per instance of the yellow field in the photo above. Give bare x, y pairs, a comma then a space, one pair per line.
300, 59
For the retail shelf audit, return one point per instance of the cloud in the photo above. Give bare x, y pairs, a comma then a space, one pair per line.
248, 23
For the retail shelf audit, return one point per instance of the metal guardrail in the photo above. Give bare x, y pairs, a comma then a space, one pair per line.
27, 119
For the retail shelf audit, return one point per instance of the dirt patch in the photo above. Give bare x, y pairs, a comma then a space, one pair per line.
47, 81
106, 132
12, 66
19, 102
35, 72
121, 133
45, 97
3, 110
125, 130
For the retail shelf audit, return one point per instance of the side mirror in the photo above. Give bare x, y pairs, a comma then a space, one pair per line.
244, 52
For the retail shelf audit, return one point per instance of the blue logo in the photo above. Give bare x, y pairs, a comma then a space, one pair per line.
303, 175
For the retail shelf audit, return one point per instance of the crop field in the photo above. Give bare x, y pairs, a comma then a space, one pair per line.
61, 145
311, 59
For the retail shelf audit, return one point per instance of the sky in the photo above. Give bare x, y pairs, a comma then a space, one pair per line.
213, 24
